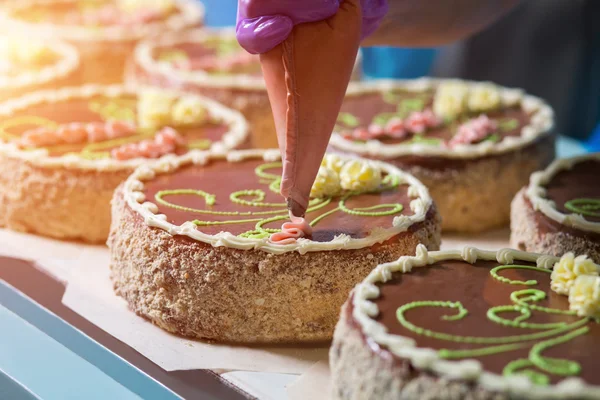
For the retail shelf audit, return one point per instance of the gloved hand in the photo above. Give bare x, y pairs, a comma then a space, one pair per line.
263, 24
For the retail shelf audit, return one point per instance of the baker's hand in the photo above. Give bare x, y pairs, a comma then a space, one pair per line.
263, 24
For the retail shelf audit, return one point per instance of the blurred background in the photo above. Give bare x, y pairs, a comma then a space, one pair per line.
550, 48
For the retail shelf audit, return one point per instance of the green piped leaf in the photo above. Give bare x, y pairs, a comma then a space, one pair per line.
348, 119
508, 124
392, 98
420, 139
173, 56
383, 118
408, 106
494, 138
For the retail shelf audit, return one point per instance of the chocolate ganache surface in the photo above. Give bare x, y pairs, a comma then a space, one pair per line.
577, 190
214, 55
495, 310
100, 109
243, 198
378, 108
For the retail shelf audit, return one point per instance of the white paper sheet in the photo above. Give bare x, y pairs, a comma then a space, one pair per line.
89, 293
314, 384
52, 256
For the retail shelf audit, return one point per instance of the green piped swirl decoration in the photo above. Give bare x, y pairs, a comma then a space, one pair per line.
584, 206
537, 337
255, 200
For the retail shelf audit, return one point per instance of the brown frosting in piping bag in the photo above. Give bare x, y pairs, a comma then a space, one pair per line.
306, 77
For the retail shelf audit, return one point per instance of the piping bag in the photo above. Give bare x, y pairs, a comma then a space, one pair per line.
307, 76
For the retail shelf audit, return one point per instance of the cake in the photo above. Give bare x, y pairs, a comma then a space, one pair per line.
194, 250
211, 62
104, 31
471, 324
28, 65
63, 152
473, 145
559, 211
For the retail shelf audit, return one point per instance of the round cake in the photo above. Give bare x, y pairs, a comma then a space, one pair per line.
212, 63
29, 65
193, 245
560, 209
102, 30
471, 324
463, 140
63, 152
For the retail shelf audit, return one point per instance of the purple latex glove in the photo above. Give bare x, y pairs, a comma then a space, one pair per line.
263, 24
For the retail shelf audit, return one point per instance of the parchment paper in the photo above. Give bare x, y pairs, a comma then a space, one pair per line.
52, 256
89, 293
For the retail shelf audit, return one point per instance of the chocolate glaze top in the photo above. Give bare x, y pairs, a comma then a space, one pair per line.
203, 55
580, 181
86, 110
221, 179
366, 107
478, 291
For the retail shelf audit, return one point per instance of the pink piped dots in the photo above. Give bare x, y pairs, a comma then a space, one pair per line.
76, 132
165, 142
417, 123
474, 131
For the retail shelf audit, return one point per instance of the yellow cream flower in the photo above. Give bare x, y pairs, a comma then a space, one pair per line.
567, 269
450, 99
188, 110
483, 97
154, 108
327, 184
163, 6
333, 162
360, 176
25, 52
584, 296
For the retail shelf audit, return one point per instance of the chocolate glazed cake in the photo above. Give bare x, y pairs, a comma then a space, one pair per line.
560, 209
64, 152
212, 63
105, 32
471, 324
193, 250
473, 144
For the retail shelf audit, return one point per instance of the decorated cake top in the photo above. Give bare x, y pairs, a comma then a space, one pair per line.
112, 20
28, 62
514, 322
207, 57
437, 118
568, 192
113, 127
234, 201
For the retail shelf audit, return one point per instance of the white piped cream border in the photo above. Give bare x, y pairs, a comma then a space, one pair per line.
235, 136
541, 124
190, 13
135, 198
68, 62
364, 311
536, 192
144, 58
